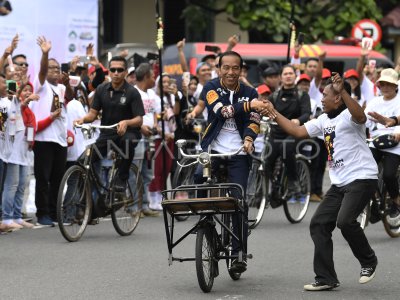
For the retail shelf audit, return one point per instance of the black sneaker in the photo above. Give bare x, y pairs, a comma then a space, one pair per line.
119, 185
367, 274
320, 286
238, 267
394, 216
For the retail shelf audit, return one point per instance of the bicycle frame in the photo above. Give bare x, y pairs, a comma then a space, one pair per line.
207, 208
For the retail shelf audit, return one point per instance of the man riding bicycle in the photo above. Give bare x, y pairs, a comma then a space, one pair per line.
231, 124
120, 103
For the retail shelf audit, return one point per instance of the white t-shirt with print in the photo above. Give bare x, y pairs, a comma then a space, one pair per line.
150, 103
349, 157
387, 108
228, 139
57, 130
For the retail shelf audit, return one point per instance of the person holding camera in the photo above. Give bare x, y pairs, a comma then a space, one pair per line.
144, 84
354, 177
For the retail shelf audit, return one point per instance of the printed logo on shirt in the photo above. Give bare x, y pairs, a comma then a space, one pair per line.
241, 99
329, 138
3, 119
211, 97
122, 100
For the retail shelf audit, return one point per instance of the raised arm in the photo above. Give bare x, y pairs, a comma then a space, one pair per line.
361, 62
45, 46
232, 42
356, 111
181, 55
9, 51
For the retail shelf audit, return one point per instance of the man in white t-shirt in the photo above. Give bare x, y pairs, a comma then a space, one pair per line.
144, 84
353, 174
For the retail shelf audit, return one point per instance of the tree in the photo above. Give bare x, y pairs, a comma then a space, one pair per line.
268, 20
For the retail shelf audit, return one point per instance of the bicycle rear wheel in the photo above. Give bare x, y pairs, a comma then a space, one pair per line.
74, 203
256, 194
183, 176
205, 258
296, 211
127, 206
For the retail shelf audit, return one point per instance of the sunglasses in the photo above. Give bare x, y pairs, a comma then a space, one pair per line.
119, 70
24, 64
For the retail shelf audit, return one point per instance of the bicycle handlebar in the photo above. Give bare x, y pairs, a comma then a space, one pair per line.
203, 157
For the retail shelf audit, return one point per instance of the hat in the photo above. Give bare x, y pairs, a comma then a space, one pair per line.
351, 73
389, 75
131, 70
199, 65
263, 88
270, 71
304, 77
326, 73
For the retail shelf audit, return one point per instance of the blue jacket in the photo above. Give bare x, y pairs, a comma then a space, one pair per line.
216, 97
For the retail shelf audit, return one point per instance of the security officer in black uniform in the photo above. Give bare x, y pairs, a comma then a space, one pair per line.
120, 103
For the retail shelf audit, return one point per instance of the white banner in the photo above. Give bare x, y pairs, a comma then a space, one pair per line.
69, 24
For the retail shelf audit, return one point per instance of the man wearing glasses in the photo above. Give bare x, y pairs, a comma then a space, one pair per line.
120, 103
50, 146
21, 62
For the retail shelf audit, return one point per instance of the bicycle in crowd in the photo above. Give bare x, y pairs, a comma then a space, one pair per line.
84, 196
378, 209
215, 237
264, 190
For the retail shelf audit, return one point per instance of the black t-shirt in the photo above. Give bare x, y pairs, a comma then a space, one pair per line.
118, 105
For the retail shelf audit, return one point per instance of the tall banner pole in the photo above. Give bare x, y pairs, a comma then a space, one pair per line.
160, 45
291, 27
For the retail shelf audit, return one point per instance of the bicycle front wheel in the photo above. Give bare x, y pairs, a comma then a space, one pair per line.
256, 194
205, 258
126, 207
296, 210
74, 203
183, 176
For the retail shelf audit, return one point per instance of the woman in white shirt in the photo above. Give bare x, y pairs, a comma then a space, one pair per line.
19, 158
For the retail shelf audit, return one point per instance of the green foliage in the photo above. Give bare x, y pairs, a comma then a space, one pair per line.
319, 19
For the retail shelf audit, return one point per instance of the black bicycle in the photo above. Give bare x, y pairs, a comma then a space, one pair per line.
84, 196
264, 190
215, 237
378, 209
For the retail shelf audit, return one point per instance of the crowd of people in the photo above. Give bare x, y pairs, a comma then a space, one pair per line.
336, 113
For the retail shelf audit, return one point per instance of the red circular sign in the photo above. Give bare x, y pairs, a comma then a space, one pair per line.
367, 28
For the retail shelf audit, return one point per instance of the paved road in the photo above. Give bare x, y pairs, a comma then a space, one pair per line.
40, 264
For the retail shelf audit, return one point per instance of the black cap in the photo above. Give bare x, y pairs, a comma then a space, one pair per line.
270, 71
208, 56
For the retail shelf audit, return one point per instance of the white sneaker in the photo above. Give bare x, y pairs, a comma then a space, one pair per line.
156, 203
